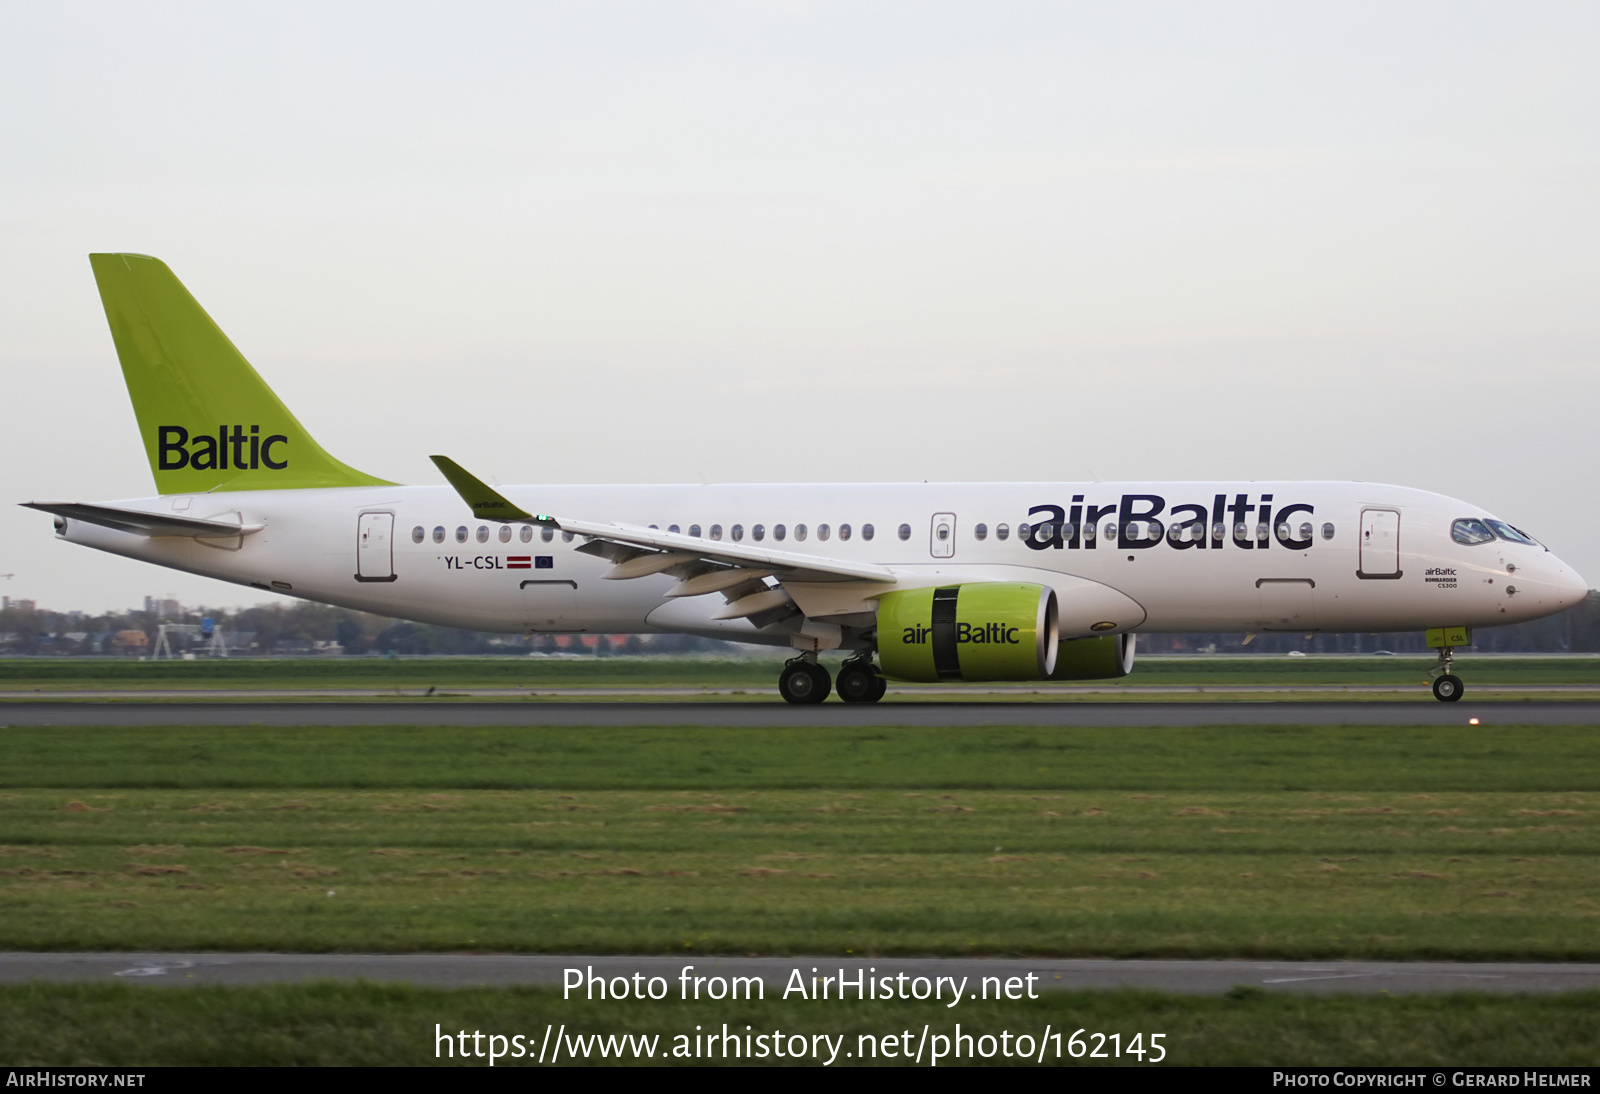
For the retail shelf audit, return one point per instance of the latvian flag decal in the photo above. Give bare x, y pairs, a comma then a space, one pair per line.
519, 562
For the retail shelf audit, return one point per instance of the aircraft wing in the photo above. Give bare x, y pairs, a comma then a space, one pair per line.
142, 523
737, 570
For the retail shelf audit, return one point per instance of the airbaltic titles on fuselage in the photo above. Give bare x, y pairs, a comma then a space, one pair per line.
1142, 521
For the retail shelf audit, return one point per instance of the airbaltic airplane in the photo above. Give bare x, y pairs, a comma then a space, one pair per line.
991, 581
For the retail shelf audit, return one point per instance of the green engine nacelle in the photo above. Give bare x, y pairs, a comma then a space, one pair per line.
988, 630
1102, 657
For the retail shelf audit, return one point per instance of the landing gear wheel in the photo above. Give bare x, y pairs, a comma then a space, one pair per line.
859, 682
1447, 689
804, 682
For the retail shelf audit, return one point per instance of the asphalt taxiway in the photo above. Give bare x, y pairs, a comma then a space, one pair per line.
770, 714
777, 973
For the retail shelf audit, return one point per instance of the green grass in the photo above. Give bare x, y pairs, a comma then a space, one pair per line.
512, 672
1273, 842
1264, 758
326, 1024
1311, 842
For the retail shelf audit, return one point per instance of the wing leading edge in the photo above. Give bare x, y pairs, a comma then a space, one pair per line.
739, 571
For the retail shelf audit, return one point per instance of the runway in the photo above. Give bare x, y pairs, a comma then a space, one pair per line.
1050, 974
777, 715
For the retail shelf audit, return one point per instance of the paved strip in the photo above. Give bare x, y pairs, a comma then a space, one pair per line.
777, 973
1423, 712
1016, 691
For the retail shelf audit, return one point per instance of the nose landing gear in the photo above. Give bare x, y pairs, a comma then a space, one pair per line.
1447, 686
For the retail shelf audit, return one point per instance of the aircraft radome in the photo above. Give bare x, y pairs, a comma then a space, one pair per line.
922, 582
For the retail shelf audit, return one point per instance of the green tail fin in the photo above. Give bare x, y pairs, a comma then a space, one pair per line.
207, 418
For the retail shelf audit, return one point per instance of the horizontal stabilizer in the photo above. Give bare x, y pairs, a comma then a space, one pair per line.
142, 523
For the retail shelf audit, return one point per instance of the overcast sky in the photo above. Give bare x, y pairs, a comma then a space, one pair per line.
665, 242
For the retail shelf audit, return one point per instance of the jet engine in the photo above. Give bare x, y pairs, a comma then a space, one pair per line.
1101, 657
987, 630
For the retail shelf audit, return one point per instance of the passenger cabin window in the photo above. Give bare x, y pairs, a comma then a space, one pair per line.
547, 533
779, 531
525, 533
867, 531
461, 533
566, 537
1327, 531
673, 528
737, 532
980, 532
844, 531
799, 531
758, 532
822, 531
1305, 532
418, 534
1001, 531
505, 533
438, 534
716, 531
694, 530
1470, 532
483, 533
904, 532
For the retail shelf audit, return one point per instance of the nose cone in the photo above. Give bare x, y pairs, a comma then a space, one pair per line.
1553, 584
1570, 589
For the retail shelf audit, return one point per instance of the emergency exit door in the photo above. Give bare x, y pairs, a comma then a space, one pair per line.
1380, 544
375, 547
942, 536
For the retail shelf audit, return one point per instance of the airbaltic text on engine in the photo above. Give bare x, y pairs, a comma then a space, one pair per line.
965, 632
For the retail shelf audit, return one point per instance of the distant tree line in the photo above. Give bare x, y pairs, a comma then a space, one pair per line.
301, 628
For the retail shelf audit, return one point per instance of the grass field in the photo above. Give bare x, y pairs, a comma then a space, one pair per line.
1286, 842
1281, 842
326, 1024
19, 675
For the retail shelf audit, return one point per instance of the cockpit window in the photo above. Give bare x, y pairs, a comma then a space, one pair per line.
1505, 531
1470, 532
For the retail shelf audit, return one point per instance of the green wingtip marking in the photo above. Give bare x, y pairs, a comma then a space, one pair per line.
484, 500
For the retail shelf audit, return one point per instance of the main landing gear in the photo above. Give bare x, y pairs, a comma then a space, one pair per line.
859, 681
1447, 686
805, 681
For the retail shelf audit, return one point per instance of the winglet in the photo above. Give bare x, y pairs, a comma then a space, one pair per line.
484, 500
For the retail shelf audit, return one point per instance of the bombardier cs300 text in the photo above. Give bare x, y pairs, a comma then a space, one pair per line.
964, 581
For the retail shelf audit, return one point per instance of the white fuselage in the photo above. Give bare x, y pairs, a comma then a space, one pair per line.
1331, 556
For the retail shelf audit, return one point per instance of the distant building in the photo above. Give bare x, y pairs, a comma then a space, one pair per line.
162, 608
19, 605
